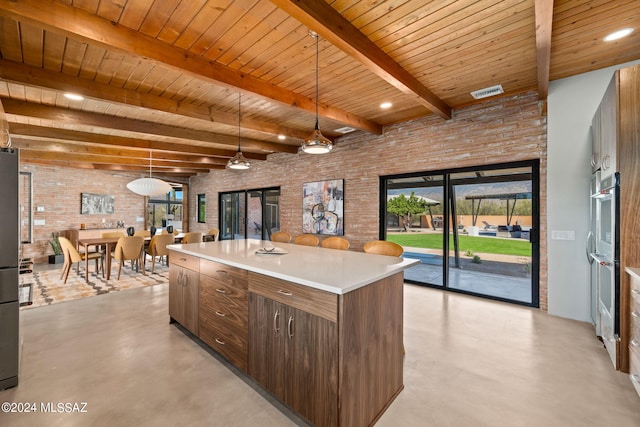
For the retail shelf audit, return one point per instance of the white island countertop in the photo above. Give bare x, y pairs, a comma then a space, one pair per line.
330, 270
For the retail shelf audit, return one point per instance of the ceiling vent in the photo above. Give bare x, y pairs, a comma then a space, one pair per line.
344, 130
487, 92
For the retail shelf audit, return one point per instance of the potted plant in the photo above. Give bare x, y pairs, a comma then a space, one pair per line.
58, 256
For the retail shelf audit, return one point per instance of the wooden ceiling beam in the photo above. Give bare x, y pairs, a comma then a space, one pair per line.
140, 164
176, 172
144, 145
37, 77
81, 25
330, 24
76, 117
544, 20
120, 152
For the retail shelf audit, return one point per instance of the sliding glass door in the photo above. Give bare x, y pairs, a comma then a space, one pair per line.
473, 229
249, 214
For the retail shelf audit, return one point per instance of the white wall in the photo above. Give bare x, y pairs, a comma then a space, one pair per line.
572, 102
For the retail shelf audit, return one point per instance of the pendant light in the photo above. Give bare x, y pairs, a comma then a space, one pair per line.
149, 186
316, 143
238, 161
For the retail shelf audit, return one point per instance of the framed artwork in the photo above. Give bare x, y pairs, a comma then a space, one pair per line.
323, 207
202, 208
94, 204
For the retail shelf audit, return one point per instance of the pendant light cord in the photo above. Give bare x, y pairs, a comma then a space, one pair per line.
239, 118
317, 89
150, 167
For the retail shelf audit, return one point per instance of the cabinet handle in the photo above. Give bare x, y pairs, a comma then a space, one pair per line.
635, 378
220, 314
287, 293
276, 316
221, 271
183, 259
290, 327
635, 343
221, 291
219, 341
186, 280
635, 314
636, 291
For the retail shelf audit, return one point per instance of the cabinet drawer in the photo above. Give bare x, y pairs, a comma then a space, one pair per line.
224, 309
310, 300
215, 288
226, 274
230, 345
183, 260
634, 364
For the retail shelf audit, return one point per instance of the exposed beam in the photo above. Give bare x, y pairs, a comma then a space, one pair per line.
20, 129
32, 158
80, 25
330, 24
26, 109
37, 77
141, 164
544, 20
168, 159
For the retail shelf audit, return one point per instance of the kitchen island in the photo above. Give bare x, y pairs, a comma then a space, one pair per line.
320, 329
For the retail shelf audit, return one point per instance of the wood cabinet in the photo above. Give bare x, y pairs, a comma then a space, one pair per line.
618, 133
223, 311
634, 338
184, 277
294, 355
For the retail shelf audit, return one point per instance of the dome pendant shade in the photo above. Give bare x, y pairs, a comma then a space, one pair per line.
149, 186
317, 143
238, 162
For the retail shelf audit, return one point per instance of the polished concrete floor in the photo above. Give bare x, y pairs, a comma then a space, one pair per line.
469, 362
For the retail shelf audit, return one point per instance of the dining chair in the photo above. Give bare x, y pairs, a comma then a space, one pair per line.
158, 248
129, 248
142, 233
211, 236
71, 256
306, 240
335, 242
383, 247
281, 236
192, 237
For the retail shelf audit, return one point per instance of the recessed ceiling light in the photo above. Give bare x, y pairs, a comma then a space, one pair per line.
618, 34
282, 137
344, 130
73, 96
386, 105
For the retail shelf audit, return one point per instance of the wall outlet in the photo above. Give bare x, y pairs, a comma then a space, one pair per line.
38, 222
39, 208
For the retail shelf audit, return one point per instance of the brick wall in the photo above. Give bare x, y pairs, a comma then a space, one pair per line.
502, 130
58, 191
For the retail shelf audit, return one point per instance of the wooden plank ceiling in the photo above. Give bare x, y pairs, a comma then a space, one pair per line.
163, 77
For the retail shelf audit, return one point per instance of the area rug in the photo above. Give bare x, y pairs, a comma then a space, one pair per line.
47, 288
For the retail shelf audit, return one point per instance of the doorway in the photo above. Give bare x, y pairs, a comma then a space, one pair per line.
473, 229
249, 214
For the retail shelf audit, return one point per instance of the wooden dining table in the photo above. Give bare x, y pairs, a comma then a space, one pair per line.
107, 242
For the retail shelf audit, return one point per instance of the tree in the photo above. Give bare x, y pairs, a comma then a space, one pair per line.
404, 207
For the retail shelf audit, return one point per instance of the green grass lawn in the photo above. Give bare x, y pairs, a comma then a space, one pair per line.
488, 245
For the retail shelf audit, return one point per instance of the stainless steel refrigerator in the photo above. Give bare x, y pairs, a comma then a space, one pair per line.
604, 254
9, 250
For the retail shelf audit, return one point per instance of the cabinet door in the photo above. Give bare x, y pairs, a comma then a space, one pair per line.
183, 297
190, 300
176, 304
609, 129
267, 352
313, 353
596, 141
